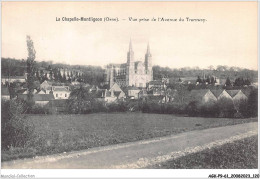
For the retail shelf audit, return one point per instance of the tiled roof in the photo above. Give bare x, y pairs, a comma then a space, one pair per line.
197, 95
232, 93
246, 91
217, 92
46, 82
60, 88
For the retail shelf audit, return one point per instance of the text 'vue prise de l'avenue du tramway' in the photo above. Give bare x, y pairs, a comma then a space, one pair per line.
130, 19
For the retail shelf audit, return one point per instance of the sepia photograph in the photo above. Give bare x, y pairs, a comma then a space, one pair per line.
129, 85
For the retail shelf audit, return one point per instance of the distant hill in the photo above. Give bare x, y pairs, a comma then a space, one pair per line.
221, 72
95, 74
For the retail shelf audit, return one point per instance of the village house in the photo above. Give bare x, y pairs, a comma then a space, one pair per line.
106, 96
45, 85
118, 92
132, 92
110, 95
203, 96
142, 94
157, 91
237, 95
221, 94
60, 92
156, 84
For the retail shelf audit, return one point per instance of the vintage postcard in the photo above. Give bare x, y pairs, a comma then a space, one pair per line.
129, 85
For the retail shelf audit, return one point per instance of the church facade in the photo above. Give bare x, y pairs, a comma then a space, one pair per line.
131, 73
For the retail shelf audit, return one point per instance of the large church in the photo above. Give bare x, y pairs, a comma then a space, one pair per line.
131, 73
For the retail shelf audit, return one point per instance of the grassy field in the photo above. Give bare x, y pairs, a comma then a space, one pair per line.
63, 133
238, 155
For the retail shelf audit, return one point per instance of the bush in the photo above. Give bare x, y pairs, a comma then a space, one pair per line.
99, 106
121, 106
79, 106
253, 103
38, 109
209, 110
193, 108
243, 109
175, 108
16, 130
153, 107
134, 105
226, 108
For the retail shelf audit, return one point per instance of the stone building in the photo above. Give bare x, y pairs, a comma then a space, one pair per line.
131, 73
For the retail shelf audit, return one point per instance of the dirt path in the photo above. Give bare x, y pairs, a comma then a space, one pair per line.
140, 154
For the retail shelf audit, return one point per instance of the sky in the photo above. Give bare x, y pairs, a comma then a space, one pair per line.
227, 37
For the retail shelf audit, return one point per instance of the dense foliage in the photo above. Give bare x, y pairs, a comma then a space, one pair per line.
16, 130
222, 72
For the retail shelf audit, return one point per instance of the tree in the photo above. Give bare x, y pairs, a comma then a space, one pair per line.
38, 76
30, 69
239, 82
51, 75
63, 80
247, 82
212, 80
81, 101
59, 76
55, 74
41, 76
16, 131
45, 77
199, 80
253, 103
208, 80
228, 82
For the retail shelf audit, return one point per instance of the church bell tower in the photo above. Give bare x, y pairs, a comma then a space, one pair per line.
130, 71
148, 64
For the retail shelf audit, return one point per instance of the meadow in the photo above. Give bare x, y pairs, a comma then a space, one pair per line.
242, 154
64, 133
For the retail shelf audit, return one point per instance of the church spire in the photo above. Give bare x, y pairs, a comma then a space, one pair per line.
148, 49
130, 46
